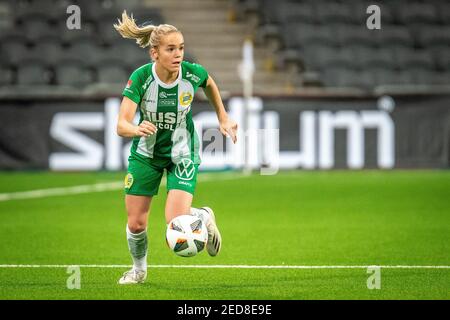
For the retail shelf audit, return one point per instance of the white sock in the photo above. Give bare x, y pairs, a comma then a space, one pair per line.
202, 214
138, 245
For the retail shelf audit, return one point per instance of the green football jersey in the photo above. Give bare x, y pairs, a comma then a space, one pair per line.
168, 106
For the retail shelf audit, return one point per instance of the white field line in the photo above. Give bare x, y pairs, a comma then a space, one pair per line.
223, 266
98, 187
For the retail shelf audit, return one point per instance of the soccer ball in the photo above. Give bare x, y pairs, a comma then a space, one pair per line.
186, 235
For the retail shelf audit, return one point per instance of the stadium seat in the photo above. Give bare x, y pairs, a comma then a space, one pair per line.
48, 49
410, 58
308, 56
304, 35
128, 49
367, 79
112, 71
290, 12
71, 72
404, 77
330, 57
368, 57
432, 35
407, 77
443, 78
109, 7
441, 56
271, 12
35, 26
51, 9
417, 13
342, 77
393, 34
92, 9
87, 49
330, 13
443, 9
33, 72
348, 35
70, 36
105, 28
389, 77
6, 75
383, 76
14, 48
425, 77
137, 62
291, 34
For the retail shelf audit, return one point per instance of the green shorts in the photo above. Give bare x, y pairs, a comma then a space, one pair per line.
144, 176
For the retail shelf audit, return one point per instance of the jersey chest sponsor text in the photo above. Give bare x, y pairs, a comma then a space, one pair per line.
167, 120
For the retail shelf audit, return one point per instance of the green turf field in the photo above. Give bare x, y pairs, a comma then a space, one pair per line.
336, 218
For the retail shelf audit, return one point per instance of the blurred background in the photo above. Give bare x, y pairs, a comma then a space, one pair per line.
321, 70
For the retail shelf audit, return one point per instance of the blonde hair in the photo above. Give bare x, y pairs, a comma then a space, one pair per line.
145, 36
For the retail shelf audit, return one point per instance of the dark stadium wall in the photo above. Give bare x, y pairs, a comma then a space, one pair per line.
382, 133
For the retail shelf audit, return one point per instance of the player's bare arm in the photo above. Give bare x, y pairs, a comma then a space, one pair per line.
125, 126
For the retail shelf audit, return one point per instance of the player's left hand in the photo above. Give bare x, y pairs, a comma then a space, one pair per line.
229, 129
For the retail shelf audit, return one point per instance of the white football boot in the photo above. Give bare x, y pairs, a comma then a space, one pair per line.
214, 238
133, 276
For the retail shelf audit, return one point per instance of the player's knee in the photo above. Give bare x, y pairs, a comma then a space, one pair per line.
136, 226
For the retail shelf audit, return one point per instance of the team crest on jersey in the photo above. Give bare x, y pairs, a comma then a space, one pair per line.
186, 99
128, 181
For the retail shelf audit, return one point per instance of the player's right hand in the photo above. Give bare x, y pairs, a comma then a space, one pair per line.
145, 129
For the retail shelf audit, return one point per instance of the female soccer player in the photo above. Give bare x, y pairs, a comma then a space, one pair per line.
165, 138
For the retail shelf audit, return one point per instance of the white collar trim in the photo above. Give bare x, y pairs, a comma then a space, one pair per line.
165, 85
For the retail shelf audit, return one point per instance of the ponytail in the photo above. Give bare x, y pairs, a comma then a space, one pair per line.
145, 36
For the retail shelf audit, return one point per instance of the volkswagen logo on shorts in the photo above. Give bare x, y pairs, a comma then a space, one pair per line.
185, 169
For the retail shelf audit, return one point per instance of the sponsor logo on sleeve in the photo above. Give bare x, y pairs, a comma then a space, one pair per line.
193, 77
